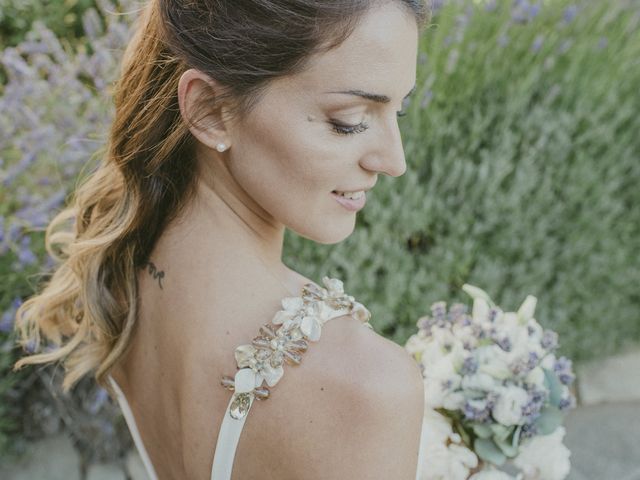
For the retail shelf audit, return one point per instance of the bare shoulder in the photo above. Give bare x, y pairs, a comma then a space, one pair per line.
352, 409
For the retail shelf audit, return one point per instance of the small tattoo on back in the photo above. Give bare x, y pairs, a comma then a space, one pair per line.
153, 270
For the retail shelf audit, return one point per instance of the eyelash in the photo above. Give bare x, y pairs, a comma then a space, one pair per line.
342, 129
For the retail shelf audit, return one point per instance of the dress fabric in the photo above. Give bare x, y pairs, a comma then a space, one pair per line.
243, 398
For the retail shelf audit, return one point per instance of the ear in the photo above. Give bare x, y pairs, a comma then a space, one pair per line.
209, 127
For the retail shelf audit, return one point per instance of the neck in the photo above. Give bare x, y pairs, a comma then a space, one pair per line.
222, 207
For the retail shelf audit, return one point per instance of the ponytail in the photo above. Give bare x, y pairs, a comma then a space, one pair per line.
147, 175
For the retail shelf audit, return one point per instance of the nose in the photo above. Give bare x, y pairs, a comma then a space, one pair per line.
386, 154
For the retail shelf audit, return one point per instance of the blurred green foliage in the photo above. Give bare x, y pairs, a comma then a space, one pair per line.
63, 17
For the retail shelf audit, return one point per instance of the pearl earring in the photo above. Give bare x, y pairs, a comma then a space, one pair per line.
221, 147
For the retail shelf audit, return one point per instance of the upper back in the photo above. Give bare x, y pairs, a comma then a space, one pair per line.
356, 398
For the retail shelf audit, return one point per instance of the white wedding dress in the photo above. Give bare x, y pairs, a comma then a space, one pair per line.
299, 321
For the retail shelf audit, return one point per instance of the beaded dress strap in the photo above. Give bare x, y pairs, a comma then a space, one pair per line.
282, 341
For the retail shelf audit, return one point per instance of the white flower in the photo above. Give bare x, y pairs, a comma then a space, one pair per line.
508, 408
480, 311
311, 326
536, 377
436, 375
548, 361
544, 457
441, 370
360, 312
492, 474
537, 330
255, 366
476, 292
334, 285
494, 361
289, 314
525, 312
415, 344
453, 400
442, 461
479, 381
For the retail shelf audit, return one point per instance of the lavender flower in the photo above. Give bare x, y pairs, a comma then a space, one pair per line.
537, 43
524, 12
532, 408
99, 399
528, 430
602, 43
476, 411
7, 319
490, 5
469, 366
504, 343
562, 368
549, 340
569, 14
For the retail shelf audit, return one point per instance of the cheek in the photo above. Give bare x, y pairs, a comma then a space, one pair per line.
289, 170
287, 161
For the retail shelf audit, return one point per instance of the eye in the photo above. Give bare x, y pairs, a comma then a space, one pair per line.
343, 129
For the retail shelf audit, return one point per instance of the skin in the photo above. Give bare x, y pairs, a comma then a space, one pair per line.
217, 273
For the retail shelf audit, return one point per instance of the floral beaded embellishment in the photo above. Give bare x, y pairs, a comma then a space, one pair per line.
285, 339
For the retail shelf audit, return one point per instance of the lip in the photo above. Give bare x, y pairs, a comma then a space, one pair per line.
349, 204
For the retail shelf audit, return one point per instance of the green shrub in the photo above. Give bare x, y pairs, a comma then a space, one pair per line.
63, 17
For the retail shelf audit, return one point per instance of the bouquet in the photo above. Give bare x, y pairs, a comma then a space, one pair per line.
495, 392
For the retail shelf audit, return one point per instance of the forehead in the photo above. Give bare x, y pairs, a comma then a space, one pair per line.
379, 56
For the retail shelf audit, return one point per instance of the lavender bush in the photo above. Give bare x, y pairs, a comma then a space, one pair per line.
55, 112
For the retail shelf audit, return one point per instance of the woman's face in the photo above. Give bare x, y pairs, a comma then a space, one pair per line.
294, 149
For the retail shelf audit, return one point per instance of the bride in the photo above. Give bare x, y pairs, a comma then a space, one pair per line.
235, 120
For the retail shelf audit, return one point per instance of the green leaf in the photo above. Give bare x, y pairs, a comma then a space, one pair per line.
487, 450
554, 386
506, 446
500, 431
549, 419
482, 431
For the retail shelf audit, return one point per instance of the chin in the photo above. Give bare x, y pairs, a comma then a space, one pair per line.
328, 233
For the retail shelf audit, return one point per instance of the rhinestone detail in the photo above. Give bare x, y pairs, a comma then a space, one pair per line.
285, 339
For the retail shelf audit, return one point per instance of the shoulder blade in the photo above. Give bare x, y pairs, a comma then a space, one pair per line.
353, 408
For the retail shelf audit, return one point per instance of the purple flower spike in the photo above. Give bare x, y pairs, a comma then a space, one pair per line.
528, 430
533, 360
505, 344
99, 400
490, 5
469, 366
537, 43
569, 13
476, 413
549, 340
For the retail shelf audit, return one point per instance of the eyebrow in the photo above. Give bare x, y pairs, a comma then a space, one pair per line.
375, 97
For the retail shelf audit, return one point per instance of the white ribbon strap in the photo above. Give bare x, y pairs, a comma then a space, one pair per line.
228, 438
